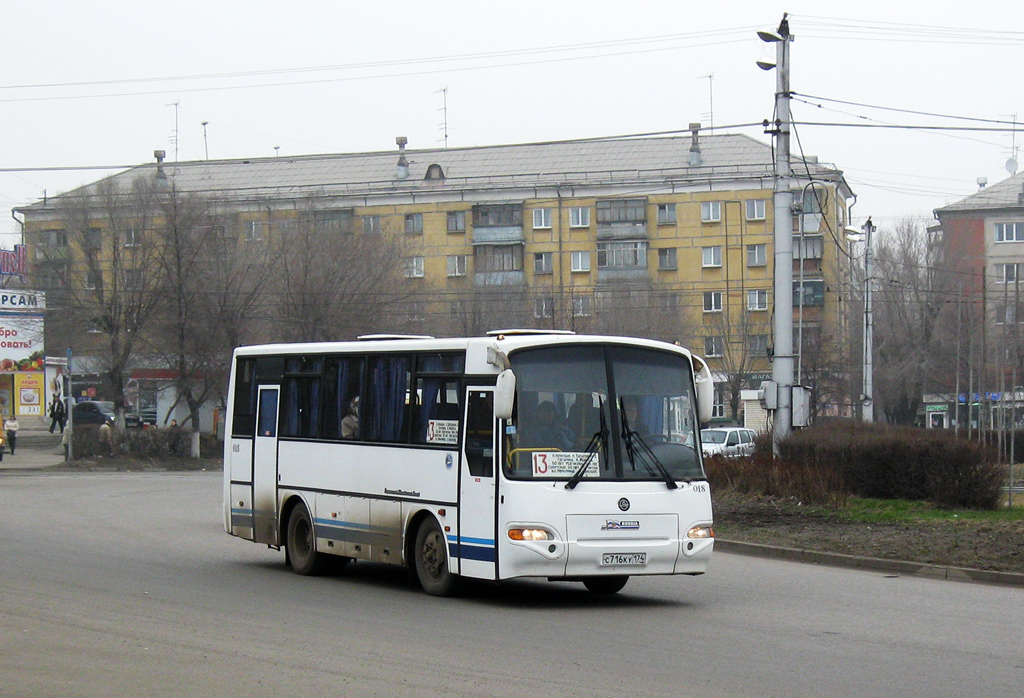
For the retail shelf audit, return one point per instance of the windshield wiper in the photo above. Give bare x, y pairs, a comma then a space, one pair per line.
646, 455
598, 440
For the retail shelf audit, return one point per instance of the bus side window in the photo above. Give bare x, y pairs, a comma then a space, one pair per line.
480, 434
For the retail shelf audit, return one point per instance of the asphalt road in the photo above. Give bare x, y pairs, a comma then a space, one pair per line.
126, 585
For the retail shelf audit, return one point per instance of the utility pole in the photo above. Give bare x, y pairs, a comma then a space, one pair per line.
782, 362
868, 393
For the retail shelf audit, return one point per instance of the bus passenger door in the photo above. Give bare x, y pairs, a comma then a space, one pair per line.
264, 468
475, 545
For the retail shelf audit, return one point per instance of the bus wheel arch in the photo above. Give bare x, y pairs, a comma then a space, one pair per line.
300, 540
430, 559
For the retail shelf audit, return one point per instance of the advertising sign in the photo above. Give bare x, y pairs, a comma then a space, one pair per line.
21, 341
28, 393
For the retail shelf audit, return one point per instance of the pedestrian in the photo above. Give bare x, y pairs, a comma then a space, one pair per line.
62, 415
57, 414
11, 427
106, 440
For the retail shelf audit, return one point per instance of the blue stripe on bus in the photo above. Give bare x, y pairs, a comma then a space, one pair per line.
241, 518
473, 548
348, 531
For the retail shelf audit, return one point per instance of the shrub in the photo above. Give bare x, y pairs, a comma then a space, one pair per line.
142, 443
824, 465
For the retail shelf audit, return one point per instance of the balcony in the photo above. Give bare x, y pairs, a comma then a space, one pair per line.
500, 278
498, 235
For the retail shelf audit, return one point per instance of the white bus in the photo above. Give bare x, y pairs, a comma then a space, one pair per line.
519, 454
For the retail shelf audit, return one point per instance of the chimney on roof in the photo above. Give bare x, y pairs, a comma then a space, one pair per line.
161, 176
403, 163
695, 158
982, 182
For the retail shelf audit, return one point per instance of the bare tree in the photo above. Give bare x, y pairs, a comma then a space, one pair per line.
744, 345
335, 283
113, 289
915, 305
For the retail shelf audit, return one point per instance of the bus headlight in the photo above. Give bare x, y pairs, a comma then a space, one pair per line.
701, 532
529, 534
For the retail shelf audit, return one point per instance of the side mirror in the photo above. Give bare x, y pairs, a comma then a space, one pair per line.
705, 385
505, 394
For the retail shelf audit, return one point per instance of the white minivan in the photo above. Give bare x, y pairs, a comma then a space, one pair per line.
727, 441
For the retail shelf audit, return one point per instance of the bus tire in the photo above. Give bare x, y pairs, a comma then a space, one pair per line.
301, 542
431, 560
605, 585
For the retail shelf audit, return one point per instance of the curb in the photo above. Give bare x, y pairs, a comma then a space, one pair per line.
916, 569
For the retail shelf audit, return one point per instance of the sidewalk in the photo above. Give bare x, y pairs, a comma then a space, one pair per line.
37, 447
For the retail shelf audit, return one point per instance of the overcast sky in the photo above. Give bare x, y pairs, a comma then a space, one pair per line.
96, 84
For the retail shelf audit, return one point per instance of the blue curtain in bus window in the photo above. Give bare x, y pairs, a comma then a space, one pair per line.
651, 414
429, 389
389, 383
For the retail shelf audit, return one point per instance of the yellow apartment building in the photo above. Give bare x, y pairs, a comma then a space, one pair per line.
666, 237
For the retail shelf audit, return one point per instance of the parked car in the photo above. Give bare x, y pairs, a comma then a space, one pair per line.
93, 412
727, 441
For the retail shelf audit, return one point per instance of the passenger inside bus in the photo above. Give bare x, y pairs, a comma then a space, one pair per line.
350, 424
548, 429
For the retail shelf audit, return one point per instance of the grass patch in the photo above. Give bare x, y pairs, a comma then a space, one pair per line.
870, 510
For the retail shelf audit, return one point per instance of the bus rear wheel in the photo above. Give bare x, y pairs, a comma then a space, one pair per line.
431, 561
605, 585
301, 543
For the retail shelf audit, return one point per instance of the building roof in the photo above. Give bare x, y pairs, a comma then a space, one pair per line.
580, 163
1008, 193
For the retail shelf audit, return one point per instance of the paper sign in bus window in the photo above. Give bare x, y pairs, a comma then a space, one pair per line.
443, 431
564, 464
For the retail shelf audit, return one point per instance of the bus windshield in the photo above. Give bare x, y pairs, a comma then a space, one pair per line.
605, 412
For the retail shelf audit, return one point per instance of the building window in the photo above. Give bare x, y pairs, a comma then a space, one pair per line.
579, 217
812, 247
456, 221
543, 307
579, 261
542, 263
541, 218
582, 306
757, 344
621, 254
133, 236
622, 211
93, 279
133, 279
755, 209
499, 258
718, 404
813, 293
714, 346
667, 258
757, 299
1005, 314
666, 214
712, 301
414, 268
710, 211
757, 255
457, 264
1009, 232
1007, 273
255, 231
93, 239
497, 215
371, 224
711, 256
414, 223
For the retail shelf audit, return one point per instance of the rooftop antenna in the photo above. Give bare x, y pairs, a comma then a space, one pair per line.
444, 113
174, 138
206, 144
710, 77
1011, 164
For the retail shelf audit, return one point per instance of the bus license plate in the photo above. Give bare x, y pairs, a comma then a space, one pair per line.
624, 559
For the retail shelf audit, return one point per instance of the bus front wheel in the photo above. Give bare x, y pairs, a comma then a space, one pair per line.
301, 543
605, 585
431, 560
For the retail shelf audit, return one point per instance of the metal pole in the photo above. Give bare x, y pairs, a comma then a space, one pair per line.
782, 363
868, 412
70, 414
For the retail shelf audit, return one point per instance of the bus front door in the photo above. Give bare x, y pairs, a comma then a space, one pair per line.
264, 468
474, 545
